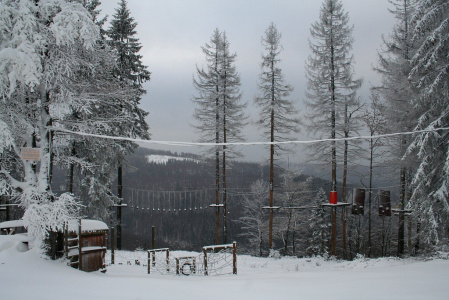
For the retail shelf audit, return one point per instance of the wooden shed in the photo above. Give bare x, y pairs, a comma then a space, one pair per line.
85, 245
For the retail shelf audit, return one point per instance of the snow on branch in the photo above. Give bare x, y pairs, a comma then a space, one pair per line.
45, 212
74, 22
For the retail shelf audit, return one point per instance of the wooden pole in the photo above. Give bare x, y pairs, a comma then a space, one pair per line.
205, 262
79, 247
119, 208
66, 238
168, 260
153, 237
334, 231
234, 261
149, 261
112, 245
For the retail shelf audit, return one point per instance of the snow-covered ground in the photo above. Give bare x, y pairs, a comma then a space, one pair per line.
163, 159
24, 275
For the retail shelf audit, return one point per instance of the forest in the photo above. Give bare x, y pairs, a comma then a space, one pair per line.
71, 118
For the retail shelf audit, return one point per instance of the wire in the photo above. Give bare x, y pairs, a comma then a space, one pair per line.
192, 144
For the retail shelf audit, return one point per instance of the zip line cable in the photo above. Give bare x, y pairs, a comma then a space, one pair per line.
193, 144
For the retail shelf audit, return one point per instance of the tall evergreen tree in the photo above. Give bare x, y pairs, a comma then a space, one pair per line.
219, 111
233, 116
398, 93
208, 110
330, 82
430, 65
277, 115
332, 89
39, 61
131, 72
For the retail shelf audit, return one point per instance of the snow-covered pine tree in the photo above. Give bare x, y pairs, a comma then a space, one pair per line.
208, 110
330, 82
399, 93
233, 116
219, 110
277, 116
429, 72
319, 242
131, 73
39, 41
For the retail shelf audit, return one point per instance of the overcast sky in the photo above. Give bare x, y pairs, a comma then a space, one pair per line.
172, 32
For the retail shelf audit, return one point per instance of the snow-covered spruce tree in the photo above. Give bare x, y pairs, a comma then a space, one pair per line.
37, 59
219, 110
233, 116
399, 93
277, 115
253, 222
330, 83
319, 242
430, 65
131, 73
207, 111
89, 161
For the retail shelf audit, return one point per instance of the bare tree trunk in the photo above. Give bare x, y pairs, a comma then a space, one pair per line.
217, 174
119, 207
401, 230
71, 171
369, 195
270, 234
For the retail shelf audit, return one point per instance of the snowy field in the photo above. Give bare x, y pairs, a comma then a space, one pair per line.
24, 275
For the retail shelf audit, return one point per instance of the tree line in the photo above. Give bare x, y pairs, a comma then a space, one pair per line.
410, 98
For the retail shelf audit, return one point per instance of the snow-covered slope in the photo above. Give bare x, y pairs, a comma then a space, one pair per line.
24, 275
163, 159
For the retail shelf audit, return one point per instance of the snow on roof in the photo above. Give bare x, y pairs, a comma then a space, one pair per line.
11, 224
90, 225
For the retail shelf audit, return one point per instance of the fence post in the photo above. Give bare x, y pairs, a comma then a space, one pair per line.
153, 237
168, 260
205, 262
234, 261
66, 237
177, 266
149, 261
79, 247
113, 245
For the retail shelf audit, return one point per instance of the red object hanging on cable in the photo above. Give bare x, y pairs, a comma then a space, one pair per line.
333, 197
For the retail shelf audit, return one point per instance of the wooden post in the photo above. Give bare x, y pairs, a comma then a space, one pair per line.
79, 247
153, 238
112, 245
205, 262
149, 260
66, 238
177, 266
234, 261
334, 231
168, 260
119, 208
